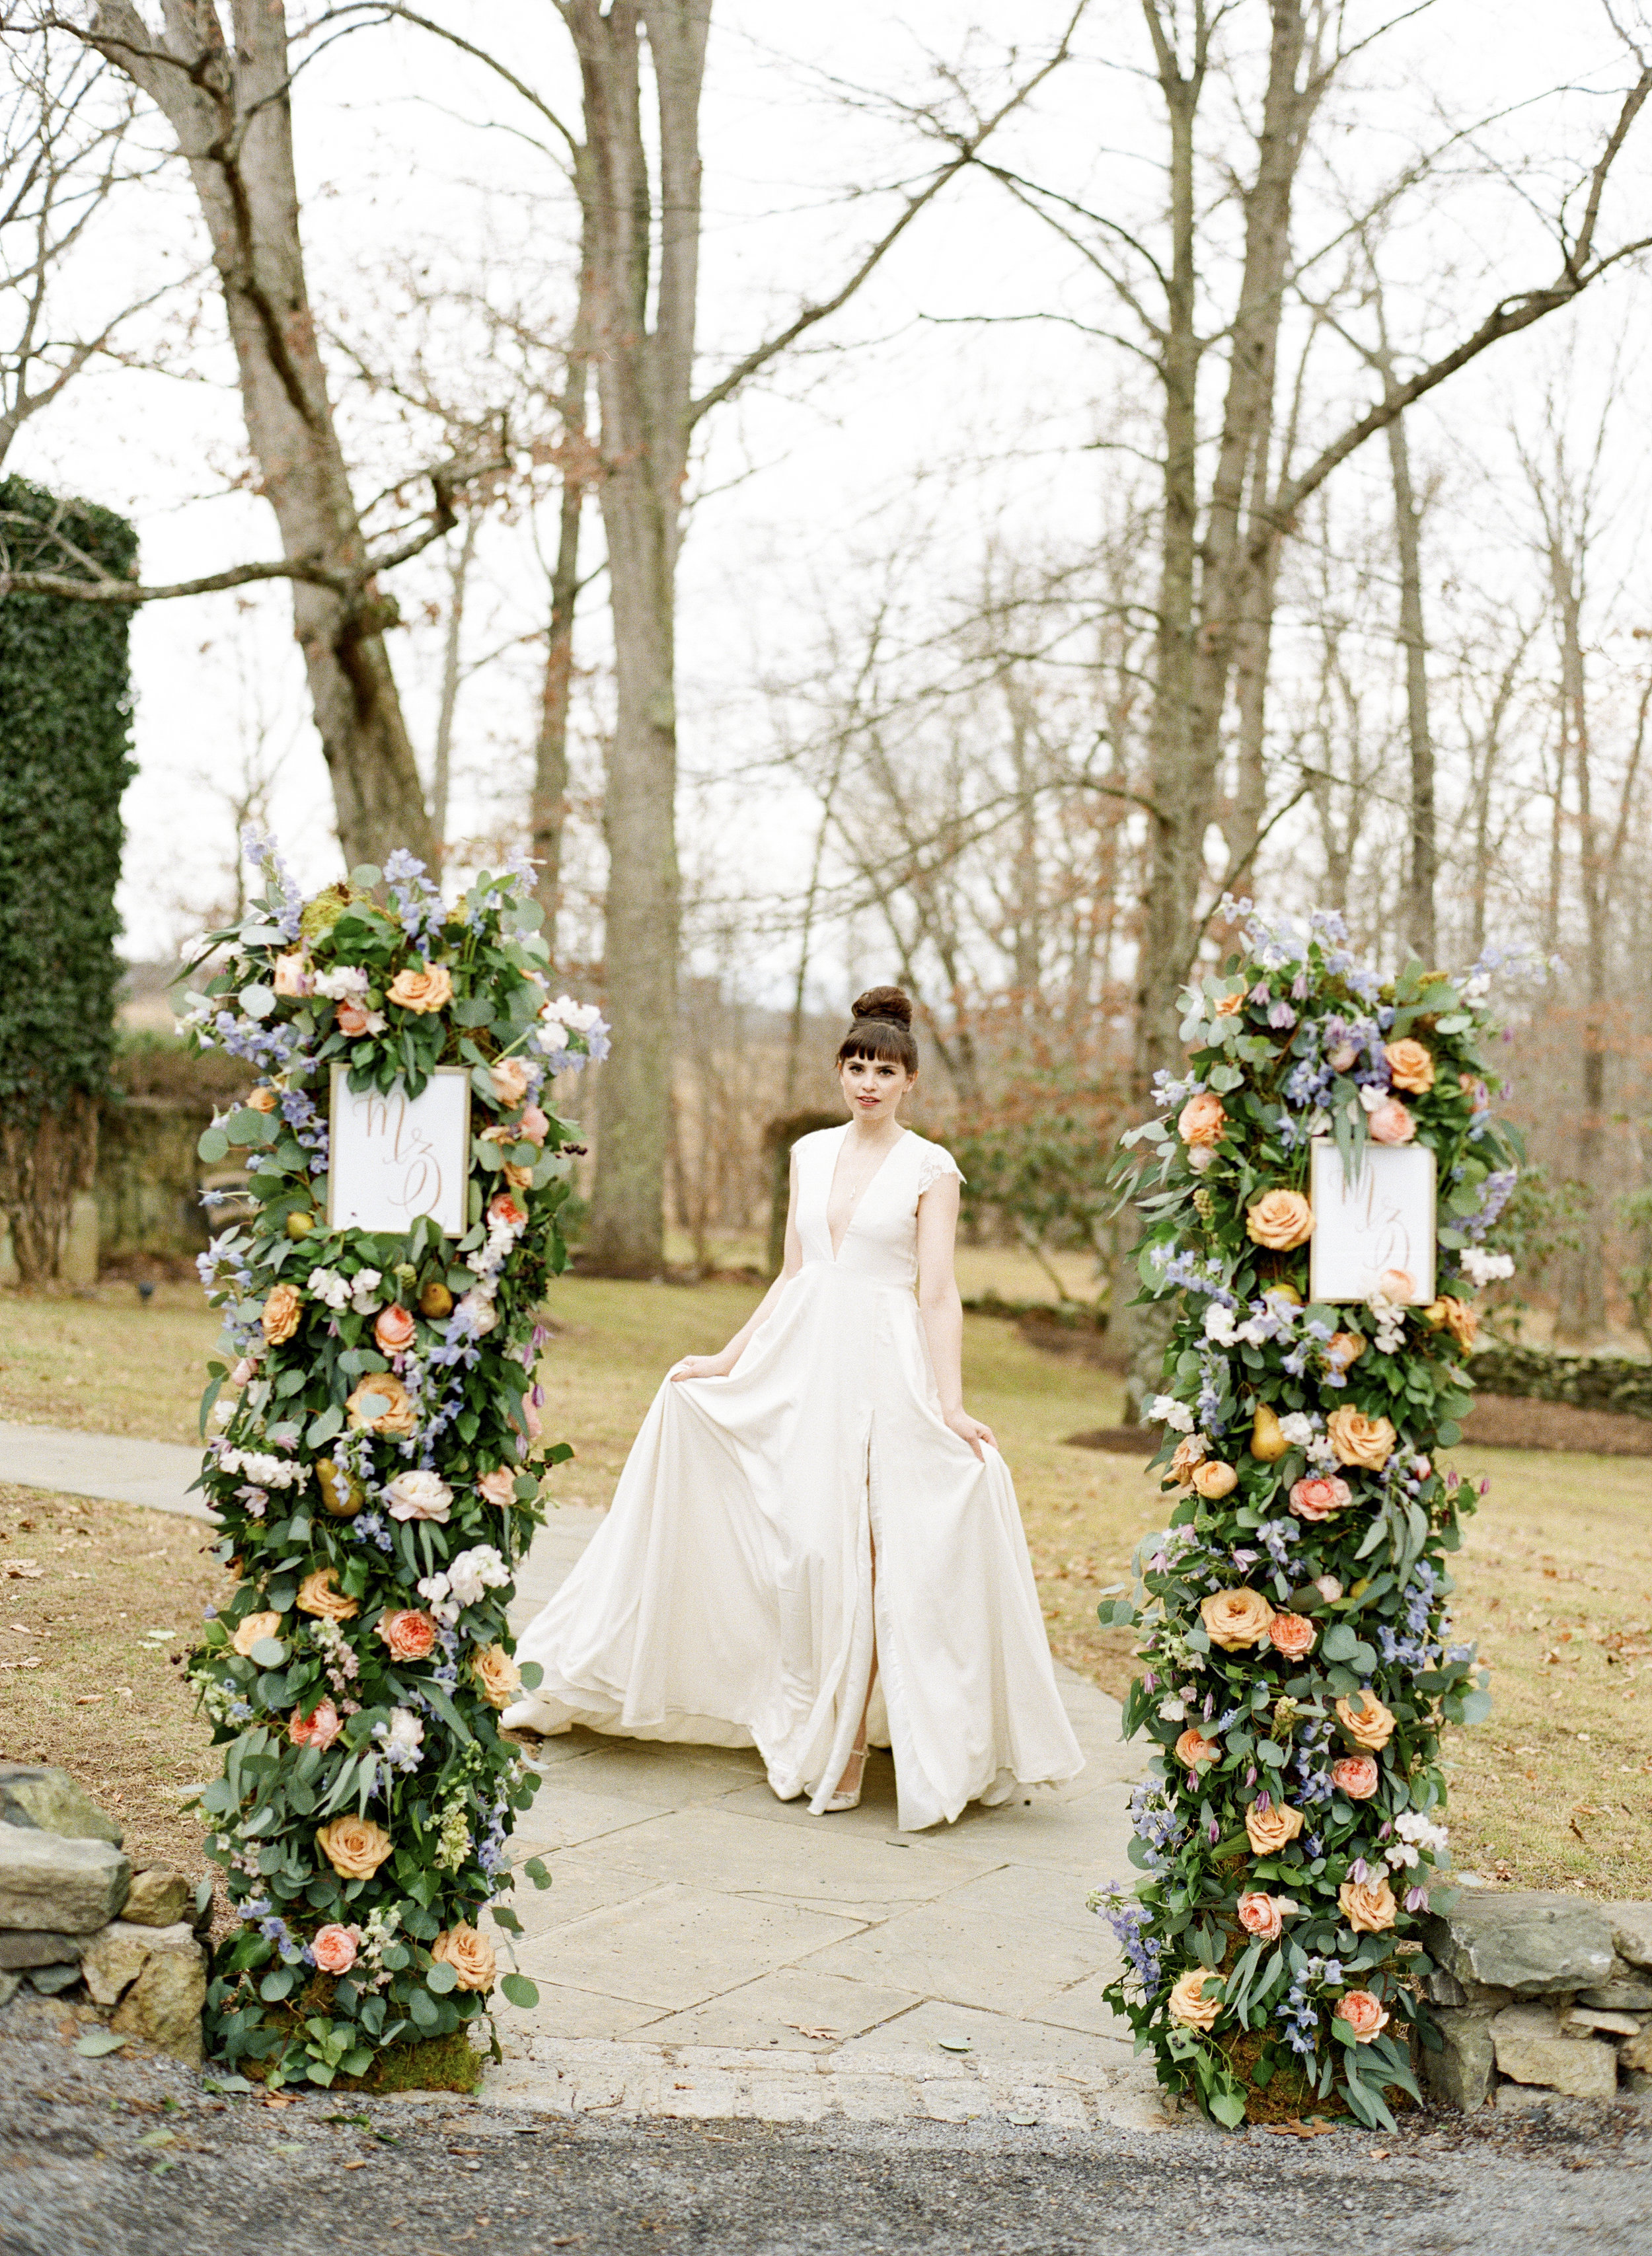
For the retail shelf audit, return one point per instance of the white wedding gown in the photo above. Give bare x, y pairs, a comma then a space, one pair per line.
730, 1597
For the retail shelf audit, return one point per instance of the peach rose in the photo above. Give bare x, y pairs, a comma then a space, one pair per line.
391, 1408
1364, 2013
1454, 1316
1189, 2004
498, 1487
1368, 1906
248, 1632
355, 1847
1261, 1914
508, 1211
1280, 1220
334, 1949
1392, 1123
1316, 1499
535, 1125
1231, 1005
395, 1330
1193, 1748
518, 1177
1358, 1776
1202, 1120
430, 988
1343, 1058
1368, 1723
1214, 1479
408, 1633
1234, 1620
496, 1675
319, 1594
1343, 1348
469, 1955
263, 1099
1269, 1829
291, 974
1292, 1635
280, 1314
509, 1077
319, 1729
1412, 1067
1359, 1440
1191, 1451
353, 1019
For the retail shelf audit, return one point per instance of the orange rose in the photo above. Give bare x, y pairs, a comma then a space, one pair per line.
496, 1675
1292, 1635
355, 1847
1269, 1829
1364, 2014
1280, 1220
1231, 1005
395, 1330
1189, 2004
263, 1099
1343, 1348
469, 1955
1193, 1749
1454, 1317
1411, 1066
1202, 1120
319, 1594
281, 1313
382, 1405
1368, 1906
408, 1633
430, 988
1214, 1479
1359, 1440
1234, 1620
1357, 1776
249, 1631
1367, 1723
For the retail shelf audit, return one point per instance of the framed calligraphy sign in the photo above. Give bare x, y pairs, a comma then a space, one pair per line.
1375, 1227
394, 1158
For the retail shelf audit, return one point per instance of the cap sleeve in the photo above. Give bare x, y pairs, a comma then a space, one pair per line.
934, 1164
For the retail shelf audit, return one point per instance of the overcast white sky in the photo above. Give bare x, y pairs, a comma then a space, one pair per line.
410, 157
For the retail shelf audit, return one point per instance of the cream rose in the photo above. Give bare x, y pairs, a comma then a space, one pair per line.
469, 1955
1234, 1620
1368, 1723
1359, 1440
1319, 1496
382, 1405
496, 1674
1292, 1635
248, 1632
1392, 1123
498, 1487
1364, 2014
1411, 1066
1193, 1749
408, 1633
334, 1949
280, 1314
1358, 1776
319, 1594
1189, 2004
291, 974
419, 1495
1368, 1906
1280, 1220
1202, 1120
509, 1078
1269, 1829
355, 1847
1214, 1479
395, 1330
430, 988
1264, 1915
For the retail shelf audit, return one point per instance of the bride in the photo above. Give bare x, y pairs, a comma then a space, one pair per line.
813, 1544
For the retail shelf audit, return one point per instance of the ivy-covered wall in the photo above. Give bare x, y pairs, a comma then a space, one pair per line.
1593, 1382
65, 741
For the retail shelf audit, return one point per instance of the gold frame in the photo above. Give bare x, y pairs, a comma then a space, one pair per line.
1323, 1151
342, 1072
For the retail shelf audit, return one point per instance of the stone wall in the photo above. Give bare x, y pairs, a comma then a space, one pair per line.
75, 1917
1536, 1993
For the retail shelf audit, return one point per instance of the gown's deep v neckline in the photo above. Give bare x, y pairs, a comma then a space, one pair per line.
865, 1189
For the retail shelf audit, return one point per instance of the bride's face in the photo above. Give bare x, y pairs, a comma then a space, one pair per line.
873, 1087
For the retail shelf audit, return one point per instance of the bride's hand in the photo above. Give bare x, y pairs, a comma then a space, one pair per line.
972, 1431
701, 1366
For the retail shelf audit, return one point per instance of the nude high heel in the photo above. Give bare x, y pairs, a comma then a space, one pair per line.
848, 1797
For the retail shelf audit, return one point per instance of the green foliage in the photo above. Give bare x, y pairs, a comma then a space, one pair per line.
1622, 1383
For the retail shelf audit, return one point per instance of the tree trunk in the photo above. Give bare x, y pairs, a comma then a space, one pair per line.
452, 673
547, 815
43, 1161
230, 110
1422, 863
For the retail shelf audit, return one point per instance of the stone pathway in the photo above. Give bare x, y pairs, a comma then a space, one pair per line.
707, 1950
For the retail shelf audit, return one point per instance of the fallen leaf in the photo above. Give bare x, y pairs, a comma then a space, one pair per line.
356, 2166
1379, 2154
804, 2029
97, 2043
954, 2044
22, 1570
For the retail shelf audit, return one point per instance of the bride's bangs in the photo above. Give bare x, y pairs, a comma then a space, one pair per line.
876, 1038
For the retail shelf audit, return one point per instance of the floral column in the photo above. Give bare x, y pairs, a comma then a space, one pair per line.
1296, 1653
376, 1466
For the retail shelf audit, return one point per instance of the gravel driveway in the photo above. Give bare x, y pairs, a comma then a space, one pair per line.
115, 2157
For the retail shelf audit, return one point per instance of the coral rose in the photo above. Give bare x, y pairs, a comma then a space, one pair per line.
248, 1632
1215, 1479
355, 1847
334, 1949
1412, 1067
280, 1314
1359, 1440
469, 1955
1320, 1496
1367, 1723
1343, 1348
1269, 1829
1189, 2004
395, 1330
1280, 1220
319, 1729
1234, 1620
498, 1487
510, 1080
319, 1594
1364, 2014
534, 1126
1368, 1906
1358, 1776
1292, 1635
1202, 1120
428, 988
1392, 1123
496, 1675
382, 1405
1263, 1914
1193, 1748
408, 1633
508, 1211
353, 1020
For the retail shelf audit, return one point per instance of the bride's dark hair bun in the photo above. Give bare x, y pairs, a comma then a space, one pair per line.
882, 1028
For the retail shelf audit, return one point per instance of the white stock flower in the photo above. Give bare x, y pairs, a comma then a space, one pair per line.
326, 1285
1218, 1324
402, 1738
476, 1572
1481, 1268
419, 1495
345, 983
479, 1313
1297, 1428
364, 1291
1168, 1412
438, 1599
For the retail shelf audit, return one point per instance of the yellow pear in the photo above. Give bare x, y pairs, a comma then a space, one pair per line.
340, 1496
1267, 1436
1285, 1293
298, 1223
